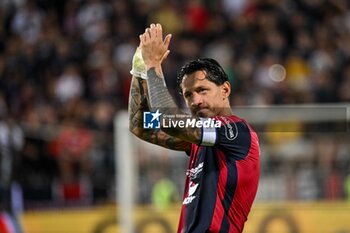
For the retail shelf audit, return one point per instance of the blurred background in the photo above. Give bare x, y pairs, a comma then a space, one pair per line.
64, 76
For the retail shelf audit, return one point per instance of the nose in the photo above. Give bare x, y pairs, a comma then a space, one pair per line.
196, 100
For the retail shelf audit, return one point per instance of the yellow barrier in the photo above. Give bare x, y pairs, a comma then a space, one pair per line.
264, 218
299, 218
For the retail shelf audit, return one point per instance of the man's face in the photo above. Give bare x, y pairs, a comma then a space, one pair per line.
203, 97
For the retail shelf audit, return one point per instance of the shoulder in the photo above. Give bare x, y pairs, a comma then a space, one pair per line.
235, 136
230, 119
226, 130
233, 124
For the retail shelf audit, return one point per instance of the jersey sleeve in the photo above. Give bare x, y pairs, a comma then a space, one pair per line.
232, 137
208, 132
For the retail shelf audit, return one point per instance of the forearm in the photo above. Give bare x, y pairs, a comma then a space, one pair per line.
137, 105
159, 95
160, 99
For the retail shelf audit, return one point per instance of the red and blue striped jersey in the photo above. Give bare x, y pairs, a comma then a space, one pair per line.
222, 179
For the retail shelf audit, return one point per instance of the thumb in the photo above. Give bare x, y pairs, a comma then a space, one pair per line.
165, 55
167, 40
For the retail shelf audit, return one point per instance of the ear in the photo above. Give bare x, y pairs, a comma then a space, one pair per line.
226, 89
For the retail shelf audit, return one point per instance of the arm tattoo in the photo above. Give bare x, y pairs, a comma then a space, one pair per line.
138, 103
142, 93
160, 99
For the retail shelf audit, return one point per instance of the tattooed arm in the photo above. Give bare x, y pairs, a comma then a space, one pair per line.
137, 105
153, 50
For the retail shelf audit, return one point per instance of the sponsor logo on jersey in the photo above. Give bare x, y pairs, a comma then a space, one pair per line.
193, 172
192, 188
231, 130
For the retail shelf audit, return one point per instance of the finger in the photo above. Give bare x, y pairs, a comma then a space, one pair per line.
153, 31
143, 38
140, 37
147, 34
167, 40
160, 30
165, 55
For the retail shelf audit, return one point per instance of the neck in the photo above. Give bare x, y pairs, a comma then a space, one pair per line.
227, 111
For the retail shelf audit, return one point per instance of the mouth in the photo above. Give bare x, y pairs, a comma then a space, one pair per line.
202, 112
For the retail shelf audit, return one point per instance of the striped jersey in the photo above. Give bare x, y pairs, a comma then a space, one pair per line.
221, 179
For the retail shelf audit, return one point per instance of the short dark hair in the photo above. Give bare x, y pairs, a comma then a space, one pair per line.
215, 73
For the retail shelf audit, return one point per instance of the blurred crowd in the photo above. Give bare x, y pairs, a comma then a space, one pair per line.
64, 73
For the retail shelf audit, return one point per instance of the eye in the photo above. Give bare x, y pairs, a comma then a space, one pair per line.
187, 95
202, 90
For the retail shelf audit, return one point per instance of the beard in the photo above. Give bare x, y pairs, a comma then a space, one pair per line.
203, 112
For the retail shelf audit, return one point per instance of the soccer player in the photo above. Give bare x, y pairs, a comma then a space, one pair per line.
223, 169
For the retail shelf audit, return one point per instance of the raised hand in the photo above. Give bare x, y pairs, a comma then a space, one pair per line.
154, 48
